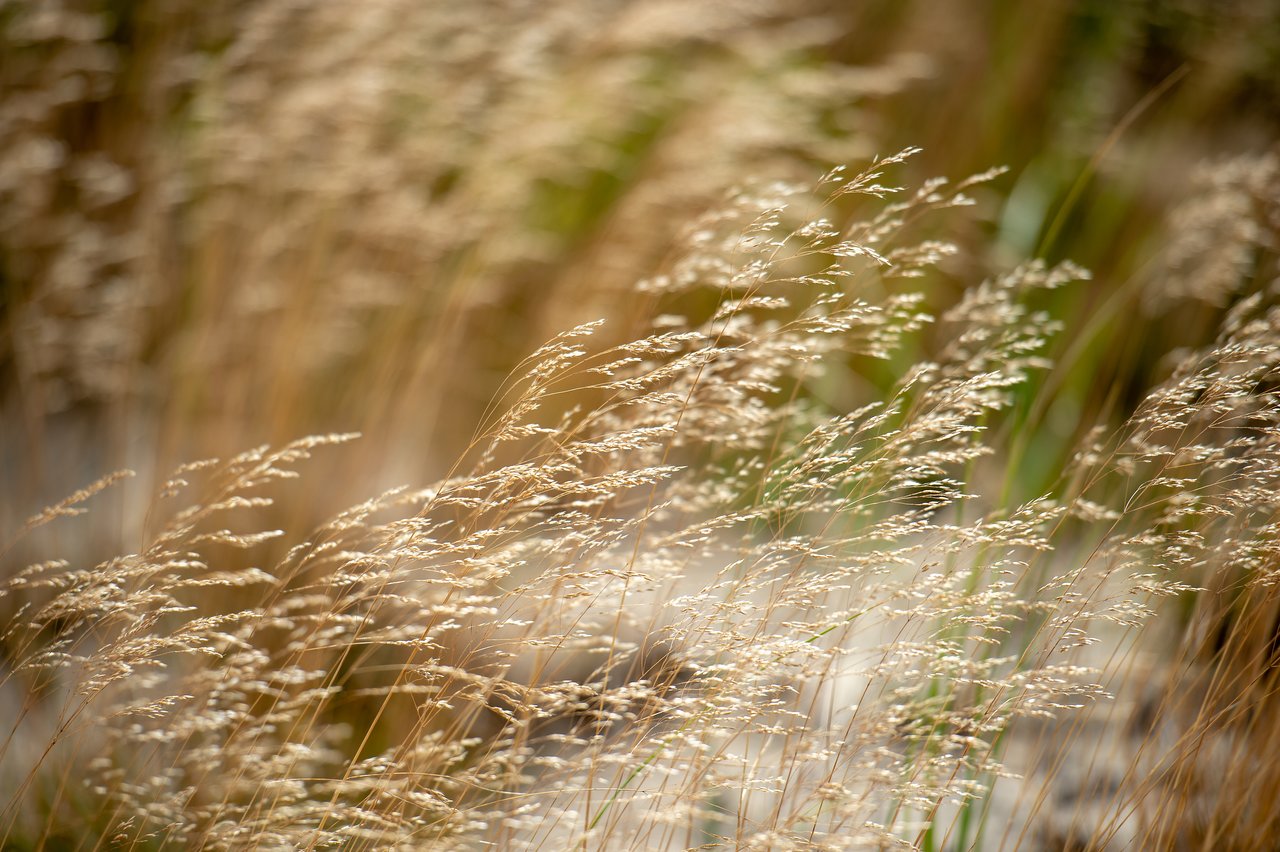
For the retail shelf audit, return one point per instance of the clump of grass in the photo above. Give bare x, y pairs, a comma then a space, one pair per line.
667, 599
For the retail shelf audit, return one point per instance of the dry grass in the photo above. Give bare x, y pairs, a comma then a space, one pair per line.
740, 566
697, 609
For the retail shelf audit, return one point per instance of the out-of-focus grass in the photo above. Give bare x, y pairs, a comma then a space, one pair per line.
558, 170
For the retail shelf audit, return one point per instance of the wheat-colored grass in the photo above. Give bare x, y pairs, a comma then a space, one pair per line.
787, 530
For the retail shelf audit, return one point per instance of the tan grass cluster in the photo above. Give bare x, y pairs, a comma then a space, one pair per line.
667, 600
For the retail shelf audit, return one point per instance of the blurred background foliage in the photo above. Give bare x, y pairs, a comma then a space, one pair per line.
225, 223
